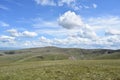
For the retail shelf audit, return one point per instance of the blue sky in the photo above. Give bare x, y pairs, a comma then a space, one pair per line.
61, 23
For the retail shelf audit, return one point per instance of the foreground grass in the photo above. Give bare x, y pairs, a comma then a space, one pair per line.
62, 70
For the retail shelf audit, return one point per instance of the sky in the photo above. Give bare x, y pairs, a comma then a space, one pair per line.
89, 24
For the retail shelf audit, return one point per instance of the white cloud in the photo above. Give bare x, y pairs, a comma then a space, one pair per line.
111, 42
70, 20
74, 40
45, 40
66, 37
84, 36
95, 5
113, 32
111, 20
4, 38
4, 24
90, 7
29, 34
46, 2
75, 7
70, 40
105, 22
76, 32
73, 4
15, 33
88, 34
68, 2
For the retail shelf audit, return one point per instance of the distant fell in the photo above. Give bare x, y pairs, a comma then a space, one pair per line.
56, 53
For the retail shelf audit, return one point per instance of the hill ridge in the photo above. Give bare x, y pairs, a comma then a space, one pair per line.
56, 53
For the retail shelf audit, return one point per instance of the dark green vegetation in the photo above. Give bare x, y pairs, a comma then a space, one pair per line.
51, 63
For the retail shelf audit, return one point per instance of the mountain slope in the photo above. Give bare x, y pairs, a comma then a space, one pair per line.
55, 53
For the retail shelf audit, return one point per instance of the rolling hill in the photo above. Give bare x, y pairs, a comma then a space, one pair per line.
55, 53
53, 63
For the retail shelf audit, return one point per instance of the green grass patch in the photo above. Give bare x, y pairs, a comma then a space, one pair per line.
62, 70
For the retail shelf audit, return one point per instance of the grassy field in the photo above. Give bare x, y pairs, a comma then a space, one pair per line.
52, 63
61, 70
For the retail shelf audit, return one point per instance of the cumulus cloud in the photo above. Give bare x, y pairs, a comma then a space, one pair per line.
45, 2
7, 41
70, 20
70, 40
15, 38
15, 33
87, 34
83, 35
112, 32
4, 24
111, 41
4, 38
29, 34
45, 40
